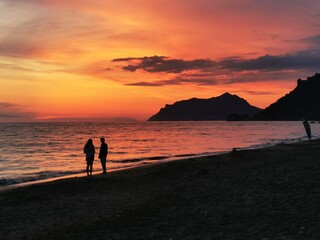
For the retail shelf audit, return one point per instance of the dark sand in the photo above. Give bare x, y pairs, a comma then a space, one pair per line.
271, 193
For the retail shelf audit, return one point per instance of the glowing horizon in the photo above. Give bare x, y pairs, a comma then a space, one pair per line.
80, 59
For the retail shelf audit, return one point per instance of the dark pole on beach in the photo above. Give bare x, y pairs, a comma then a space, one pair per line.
307, 128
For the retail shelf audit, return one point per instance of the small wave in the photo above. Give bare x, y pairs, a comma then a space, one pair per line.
119, 152
185, 155
142, 140
158, 158
35, 177
134, 160
72, 155
273, 142
205, 134
53, 143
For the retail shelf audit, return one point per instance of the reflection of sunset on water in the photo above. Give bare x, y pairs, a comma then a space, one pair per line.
31, 151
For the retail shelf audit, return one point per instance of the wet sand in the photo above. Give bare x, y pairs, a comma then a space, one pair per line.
270, 193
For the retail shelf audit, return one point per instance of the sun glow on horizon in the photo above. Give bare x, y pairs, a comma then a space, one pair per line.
70, 59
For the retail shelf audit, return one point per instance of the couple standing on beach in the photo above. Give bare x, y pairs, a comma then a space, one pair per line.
89, 150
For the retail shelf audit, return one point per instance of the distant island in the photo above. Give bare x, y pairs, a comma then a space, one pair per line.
84, 119
301, 103
215, 108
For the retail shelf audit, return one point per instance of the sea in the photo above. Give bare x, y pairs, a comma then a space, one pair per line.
40, 151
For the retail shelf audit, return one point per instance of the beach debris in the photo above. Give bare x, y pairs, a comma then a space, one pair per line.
206, 214
302, 230
201, 172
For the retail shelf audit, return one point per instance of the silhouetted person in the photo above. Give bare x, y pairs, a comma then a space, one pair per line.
307, 128
89, 150
103, 155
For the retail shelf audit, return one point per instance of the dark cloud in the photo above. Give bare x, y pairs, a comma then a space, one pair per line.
313, 40
165, 64
12, 112
176, 81
300, 60
130, 68
147, 84
231, 70
213, 79
263, 76
139, 58
258, 93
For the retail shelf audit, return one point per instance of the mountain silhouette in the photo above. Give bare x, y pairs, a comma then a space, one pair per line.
302, 102
215, 108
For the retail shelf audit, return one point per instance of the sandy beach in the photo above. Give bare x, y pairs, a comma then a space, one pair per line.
270, 193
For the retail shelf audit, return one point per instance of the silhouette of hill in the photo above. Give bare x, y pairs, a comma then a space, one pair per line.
216, 108
302, 102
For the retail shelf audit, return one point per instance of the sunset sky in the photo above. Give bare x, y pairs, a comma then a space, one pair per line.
128, 58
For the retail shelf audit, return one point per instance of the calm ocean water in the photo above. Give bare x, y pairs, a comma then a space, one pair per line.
34, 151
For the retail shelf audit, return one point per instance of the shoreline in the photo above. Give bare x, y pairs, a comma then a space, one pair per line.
97, 172
166, 159
267, 193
